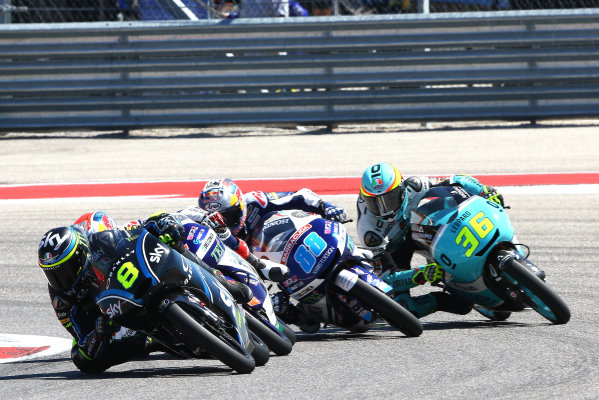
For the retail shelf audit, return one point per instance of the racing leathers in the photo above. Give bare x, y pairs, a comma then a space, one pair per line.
97, 343
392, 247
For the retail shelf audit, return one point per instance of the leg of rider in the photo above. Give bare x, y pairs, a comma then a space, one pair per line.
298, 315
420, 306
117, 352
241, 292
402, 282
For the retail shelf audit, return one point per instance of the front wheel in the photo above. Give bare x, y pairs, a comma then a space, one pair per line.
223, 347
261, 352
540, 296
279, 344
389, 310
287, 331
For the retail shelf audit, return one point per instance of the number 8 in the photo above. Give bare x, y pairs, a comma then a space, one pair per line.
127, 275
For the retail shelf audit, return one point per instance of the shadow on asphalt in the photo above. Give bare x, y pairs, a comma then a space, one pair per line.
167, 372
331, 334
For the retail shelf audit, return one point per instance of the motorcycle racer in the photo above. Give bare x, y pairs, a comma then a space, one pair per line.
233, 215
384, 205
65, 259
241, 212
63, 255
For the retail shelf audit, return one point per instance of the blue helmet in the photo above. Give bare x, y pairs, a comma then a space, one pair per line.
381, 189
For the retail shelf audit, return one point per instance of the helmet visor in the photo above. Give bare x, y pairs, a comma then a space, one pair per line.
385, 205
64, 275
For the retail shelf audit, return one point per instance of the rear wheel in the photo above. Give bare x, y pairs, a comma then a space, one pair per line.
539, 296
218, 343
389, 310
279, 344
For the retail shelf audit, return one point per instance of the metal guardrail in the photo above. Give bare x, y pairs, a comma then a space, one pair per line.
439, 67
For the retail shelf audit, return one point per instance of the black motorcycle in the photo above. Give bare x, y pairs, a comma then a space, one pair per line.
148, 287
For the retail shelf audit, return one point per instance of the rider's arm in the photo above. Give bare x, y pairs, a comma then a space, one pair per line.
473, 186
306, 200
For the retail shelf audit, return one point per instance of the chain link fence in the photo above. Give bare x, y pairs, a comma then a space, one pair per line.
48, 11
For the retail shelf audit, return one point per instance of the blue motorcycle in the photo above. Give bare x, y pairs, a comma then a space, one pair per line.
204, 243
473, 239
150, 288
326, 275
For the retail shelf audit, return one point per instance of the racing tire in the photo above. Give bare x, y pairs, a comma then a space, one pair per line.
223, 347
287, 331
539, 296
278, 344
261, 352
386, 308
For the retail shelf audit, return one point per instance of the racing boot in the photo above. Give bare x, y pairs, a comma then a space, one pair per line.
269, 270
241, 292
451, 304
295, 315
420, 306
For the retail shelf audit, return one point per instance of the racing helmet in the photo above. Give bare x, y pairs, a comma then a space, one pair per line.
224, 196
63, 253
95, 222
381, 190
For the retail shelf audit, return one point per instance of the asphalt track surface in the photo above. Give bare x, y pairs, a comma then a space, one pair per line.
457, 357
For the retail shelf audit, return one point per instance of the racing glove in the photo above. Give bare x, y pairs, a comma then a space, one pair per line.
94, 344
216, 221
431, 273
335, 213
168, 229
490, 193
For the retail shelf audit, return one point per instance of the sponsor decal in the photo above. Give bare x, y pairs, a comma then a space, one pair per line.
212, 207
186, 268
292, 241
157, 254
458, 221
51, 239
217, 252
346, 280
114, 309
290, 280
252, 218
276, 222
192, 232
323, 260
307, 289
327, 227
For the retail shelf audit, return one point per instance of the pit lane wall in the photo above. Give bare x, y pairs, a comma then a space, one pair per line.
512, 65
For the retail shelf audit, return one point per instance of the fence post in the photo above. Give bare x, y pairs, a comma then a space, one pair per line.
5, 8
423, 7
126, 111
533, 101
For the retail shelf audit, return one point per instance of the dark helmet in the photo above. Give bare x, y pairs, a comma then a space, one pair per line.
224, 196
63, 253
